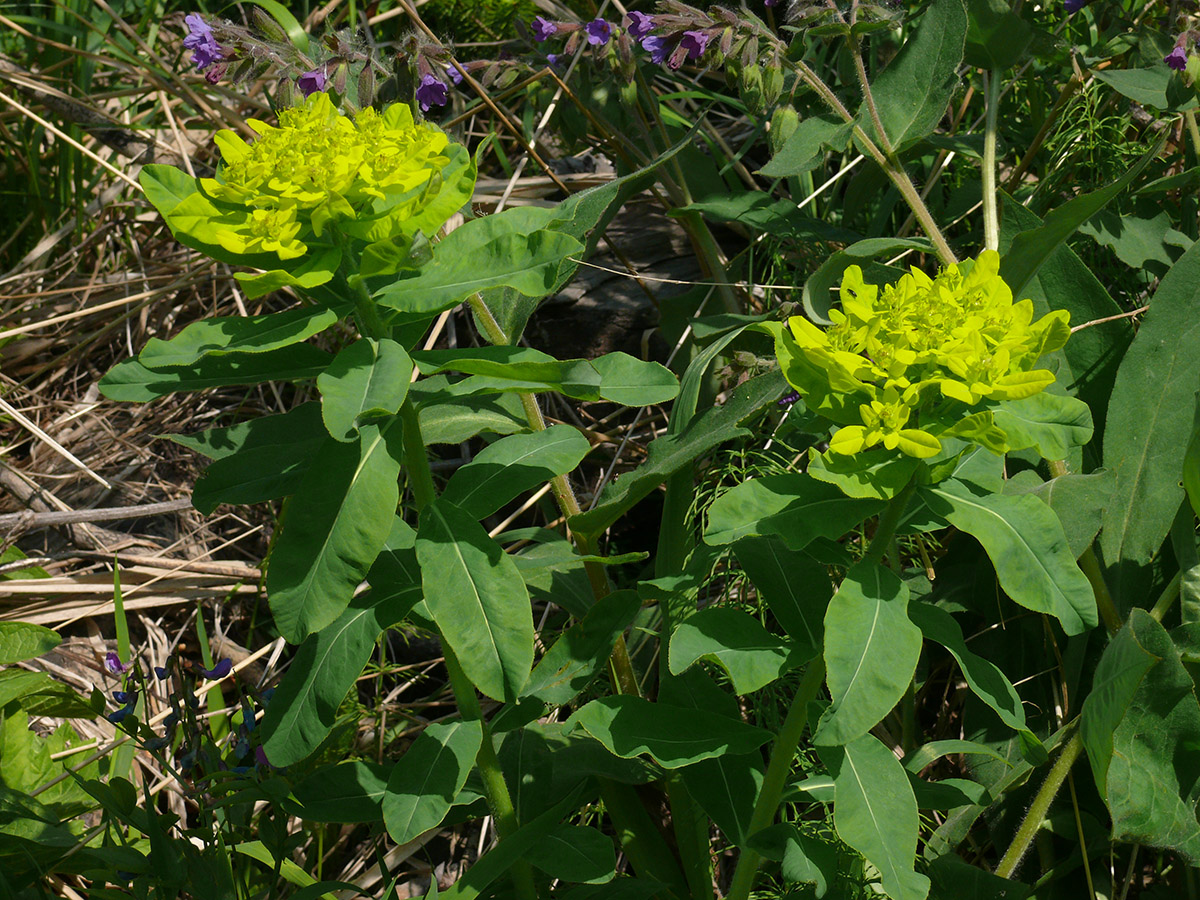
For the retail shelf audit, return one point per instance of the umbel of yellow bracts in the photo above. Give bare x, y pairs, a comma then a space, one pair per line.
926, 358
367, 175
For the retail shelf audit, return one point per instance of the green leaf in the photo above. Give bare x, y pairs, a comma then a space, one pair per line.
952, 876
761, 212
875, 812
348, 793
1031, 248
476, 596
913, 92
1140, 726
793, 505
631, 381
333, 528
1137, 241
259, 460
235, 334
673, 736
984, 677
805, 147
1051, 423
880, 473
327, 664
132, 382
726, 787
1150, 87
514, 369
20, 641
484, 253
447, 418
314, 270
41, 695
1026, 544
926, 754
295, 31
1145, 438
871, 652
818, 295
670, 453
512, 465
1079, 502
736, 642
794, 585
997, 37
575, 853
368, 379
424, 782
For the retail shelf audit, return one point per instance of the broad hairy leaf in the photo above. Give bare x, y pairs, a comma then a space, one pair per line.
236, 334
20, 641
734, 640
334, 527
425, 780
805, 147
871, 652
1026, 544
367, 379
1140, 726
875, 812
794, 585
476, 596
672, 736
512, 465
997, 37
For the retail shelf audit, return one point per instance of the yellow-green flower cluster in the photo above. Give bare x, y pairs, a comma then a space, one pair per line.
317, 167
922, 359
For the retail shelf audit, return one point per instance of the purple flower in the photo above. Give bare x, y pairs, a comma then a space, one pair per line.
1177, 59
640, 24
789, 399
113, 663
657, 47
776, 2
598, 32
454, 75
220, 670
695, 42
553, 59
260, 756
124, 696
543, 28
431, 92
161, 673
1074, 6
202, 43
311, 82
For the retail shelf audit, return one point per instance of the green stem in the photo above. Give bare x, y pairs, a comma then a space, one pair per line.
888, 522
1040, 806
1167, 598
494, 786
782, 753
420, 477
869, 96
991, 216
1193, 130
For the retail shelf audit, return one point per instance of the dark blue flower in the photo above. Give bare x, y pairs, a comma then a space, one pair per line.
789, 399
431, 92
202, 43
543, 28
1177, 59
124, 696
1074, 6
220, 670
553, 59
311, 82
161, 673
640, 24
598, 32
120, 714
657, 47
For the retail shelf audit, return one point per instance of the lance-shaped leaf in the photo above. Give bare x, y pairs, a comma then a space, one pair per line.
1146, 436
984, 677
236, 334
794, 585
348, 792
1026, 544
259, 460
875, 812
304, 708
507, 368
424, 782
805, 147
367, 379
736, 642
793, 505
871, 652
673, 736
132, 382
494, 251
575, 853
631, 381
1050, 423
1141, 727
475, 594
512, 465
333, 529
912, 93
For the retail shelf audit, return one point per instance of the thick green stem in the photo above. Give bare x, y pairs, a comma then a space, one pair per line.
1040, 806
416, 463
782, 753
1193, 130
888, 522
991, 214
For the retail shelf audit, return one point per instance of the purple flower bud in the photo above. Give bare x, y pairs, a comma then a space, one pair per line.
202, 43
260, 756
657, 47
598, 32
311, 82
553, 59
1074, 6
640, 24
454, 75
161, 673
220, 670
1177, 59
124, 696
695, 42
113, 663
776, 2
120, 714
543, 28
431, 92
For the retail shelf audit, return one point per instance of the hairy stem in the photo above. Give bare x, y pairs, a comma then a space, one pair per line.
991, 214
